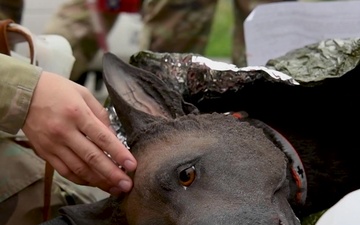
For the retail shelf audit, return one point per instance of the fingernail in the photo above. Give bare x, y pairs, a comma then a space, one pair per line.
129, 165
125, 185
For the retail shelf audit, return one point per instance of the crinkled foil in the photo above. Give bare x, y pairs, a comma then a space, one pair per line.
115, 123
116, 126
331, 58
193, 74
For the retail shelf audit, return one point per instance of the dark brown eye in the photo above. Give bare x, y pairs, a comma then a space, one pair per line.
187, 176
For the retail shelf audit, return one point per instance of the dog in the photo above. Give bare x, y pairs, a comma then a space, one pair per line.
293, 153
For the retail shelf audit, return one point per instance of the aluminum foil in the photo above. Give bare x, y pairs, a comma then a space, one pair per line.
116, 126
330, 58
192, 74
115, 123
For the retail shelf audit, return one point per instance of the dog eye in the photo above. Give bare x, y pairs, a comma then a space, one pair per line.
187, 176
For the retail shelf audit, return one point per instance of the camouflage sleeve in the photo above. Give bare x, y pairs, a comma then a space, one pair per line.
177, 25
17, 83
72, 20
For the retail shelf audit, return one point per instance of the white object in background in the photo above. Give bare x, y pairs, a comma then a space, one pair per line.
54, 54
273, 29
345, 212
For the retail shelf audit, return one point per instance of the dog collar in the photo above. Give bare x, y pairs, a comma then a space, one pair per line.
297, 168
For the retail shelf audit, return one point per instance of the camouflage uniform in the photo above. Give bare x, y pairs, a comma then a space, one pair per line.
72, 21
21, 176
169, 26
22, 186
22, 171
16, 89
21, 168
185, 25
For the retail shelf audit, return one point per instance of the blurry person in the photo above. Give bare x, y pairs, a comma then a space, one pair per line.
185, 25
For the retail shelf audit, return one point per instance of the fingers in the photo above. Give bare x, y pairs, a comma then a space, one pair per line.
99, 162
80, 173
64, 171
101, 135
97, 129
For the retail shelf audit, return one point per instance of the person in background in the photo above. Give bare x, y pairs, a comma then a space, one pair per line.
184, 26
181, 26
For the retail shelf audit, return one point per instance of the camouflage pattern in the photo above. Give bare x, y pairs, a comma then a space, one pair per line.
16, 89
11, 9
169, 26
184, 26
21, 176
22, 171
72, 21
21, 186
181, 26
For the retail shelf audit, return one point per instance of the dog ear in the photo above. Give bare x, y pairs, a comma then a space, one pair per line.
139, 97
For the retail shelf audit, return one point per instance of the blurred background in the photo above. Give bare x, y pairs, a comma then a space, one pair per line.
124, 38
127, 28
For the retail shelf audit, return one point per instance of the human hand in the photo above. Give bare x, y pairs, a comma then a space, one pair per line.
70, 129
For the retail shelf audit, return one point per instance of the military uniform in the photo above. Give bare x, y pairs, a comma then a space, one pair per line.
169, 26
185, 25
22, 171
16, 89
21, 168
22, 186
72, 21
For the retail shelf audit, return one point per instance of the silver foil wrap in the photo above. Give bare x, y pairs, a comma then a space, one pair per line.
193, 74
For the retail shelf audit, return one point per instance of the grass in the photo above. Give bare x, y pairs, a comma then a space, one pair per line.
220, 40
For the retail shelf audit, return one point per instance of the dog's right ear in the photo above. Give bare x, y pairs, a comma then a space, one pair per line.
139, 97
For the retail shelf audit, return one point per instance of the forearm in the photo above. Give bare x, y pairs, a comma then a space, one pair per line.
17, 83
